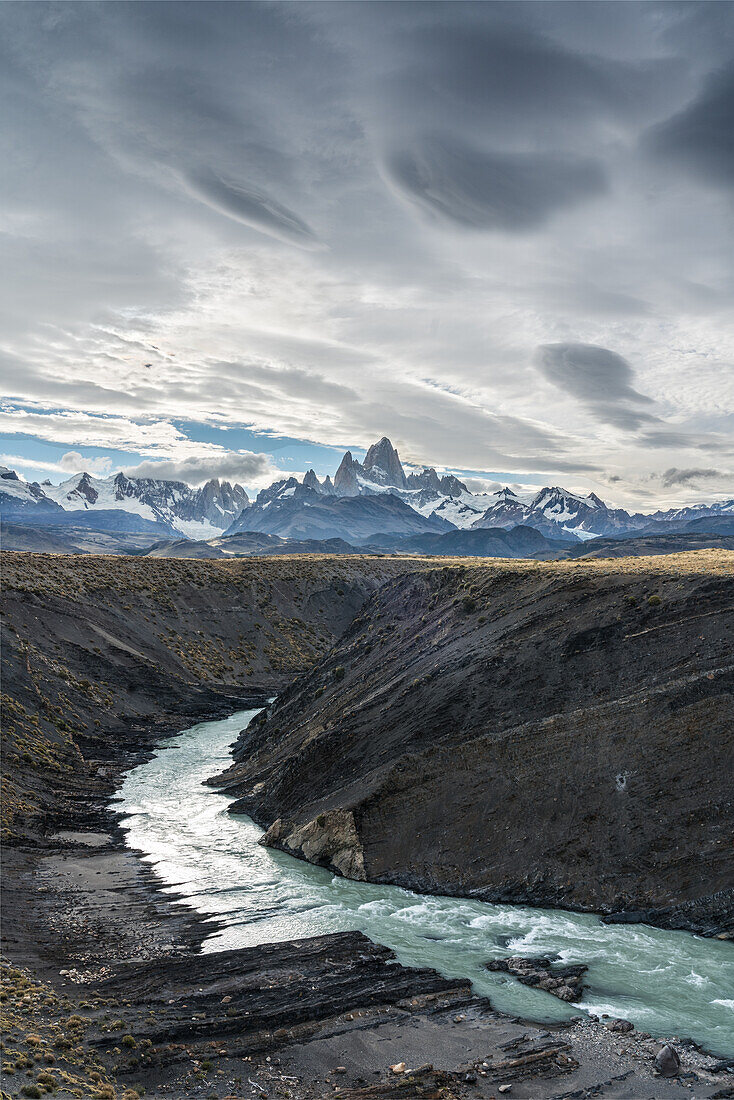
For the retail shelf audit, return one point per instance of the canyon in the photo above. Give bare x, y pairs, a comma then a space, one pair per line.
398, 690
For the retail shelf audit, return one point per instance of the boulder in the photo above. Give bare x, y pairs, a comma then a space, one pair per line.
667, 1061
620, 1025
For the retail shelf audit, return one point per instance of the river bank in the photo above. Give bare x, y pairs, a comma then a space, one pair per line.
106, 986
302, 1018
555, 734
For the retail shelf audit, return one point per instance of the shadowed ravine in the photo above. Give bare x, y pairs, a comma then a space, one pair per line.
665, 982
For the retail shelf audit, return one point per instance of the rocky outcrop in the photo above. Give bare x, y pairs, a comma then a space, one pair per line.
330, 840
667, 1061
547, 733
564, 982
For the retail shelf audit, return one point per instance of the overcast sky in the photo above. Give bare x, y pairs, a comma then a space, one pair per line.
240, 237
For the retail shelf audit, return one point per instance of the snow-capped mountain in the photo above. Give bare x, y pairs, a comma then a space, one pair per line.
693, 512
554, 511
375, 496
428, 494
20, 496
195, 513
292, 509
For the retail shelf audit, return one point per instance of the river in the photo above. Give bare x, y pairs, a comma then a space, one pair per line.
667, 983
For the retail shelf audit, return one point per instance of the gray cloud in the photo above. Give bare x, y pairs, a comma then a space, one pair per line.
492, 68
247, 467
599, 378
667, 438
252, 207
479, 190
701, 137
673, 476
204, 218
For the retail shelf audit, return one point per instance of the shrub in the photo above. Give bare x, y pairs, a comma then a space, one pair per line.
32, 1092
128, 1041
469, 604
653, 601
339, 672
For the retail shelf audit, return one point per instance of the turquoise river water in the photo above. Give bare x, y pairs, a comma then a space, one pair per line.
667, 983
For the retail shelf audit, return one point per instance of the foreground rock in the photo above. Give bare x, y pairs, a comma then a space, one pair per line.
564, 982
667, 1061
558, 734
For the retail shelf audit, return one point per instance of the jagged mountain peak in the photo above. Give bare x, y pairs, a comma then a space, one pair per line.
345, 479
556, 497
383, 466
452, 486
426, 479
206, 511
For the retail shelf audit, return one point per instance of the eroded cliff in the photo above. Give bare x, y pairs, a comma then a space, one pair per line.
550, 733
101, 654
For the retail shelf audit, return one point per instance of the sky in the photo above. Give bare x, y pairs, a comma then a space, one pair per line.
239, 238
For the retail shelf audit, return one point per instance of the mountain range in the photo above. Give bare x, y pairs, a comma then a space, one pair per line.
151, 505
371, 502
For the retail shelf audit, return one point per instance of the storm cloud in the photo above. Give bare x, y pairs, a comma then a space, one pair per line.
599, 378
479, 190
334, 221
687, 477
701, 136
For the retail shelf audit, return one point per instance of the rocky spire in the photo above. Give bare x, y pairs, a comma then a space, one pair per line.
345, 479
451, 486
426, 479
310, 481
382, 465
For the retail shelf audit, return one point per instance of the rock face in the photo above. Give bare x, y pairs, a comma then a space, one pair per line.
382, 465
330, 840
546, 733
345, 478
298, 512
564, 982
98, 650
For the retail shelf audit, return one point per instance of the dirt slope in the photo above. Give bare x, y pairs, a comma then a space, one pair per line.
551, 733
102, 653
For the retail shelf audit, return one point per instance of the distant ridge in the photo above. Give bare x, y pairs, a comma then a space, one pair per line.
365, 499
